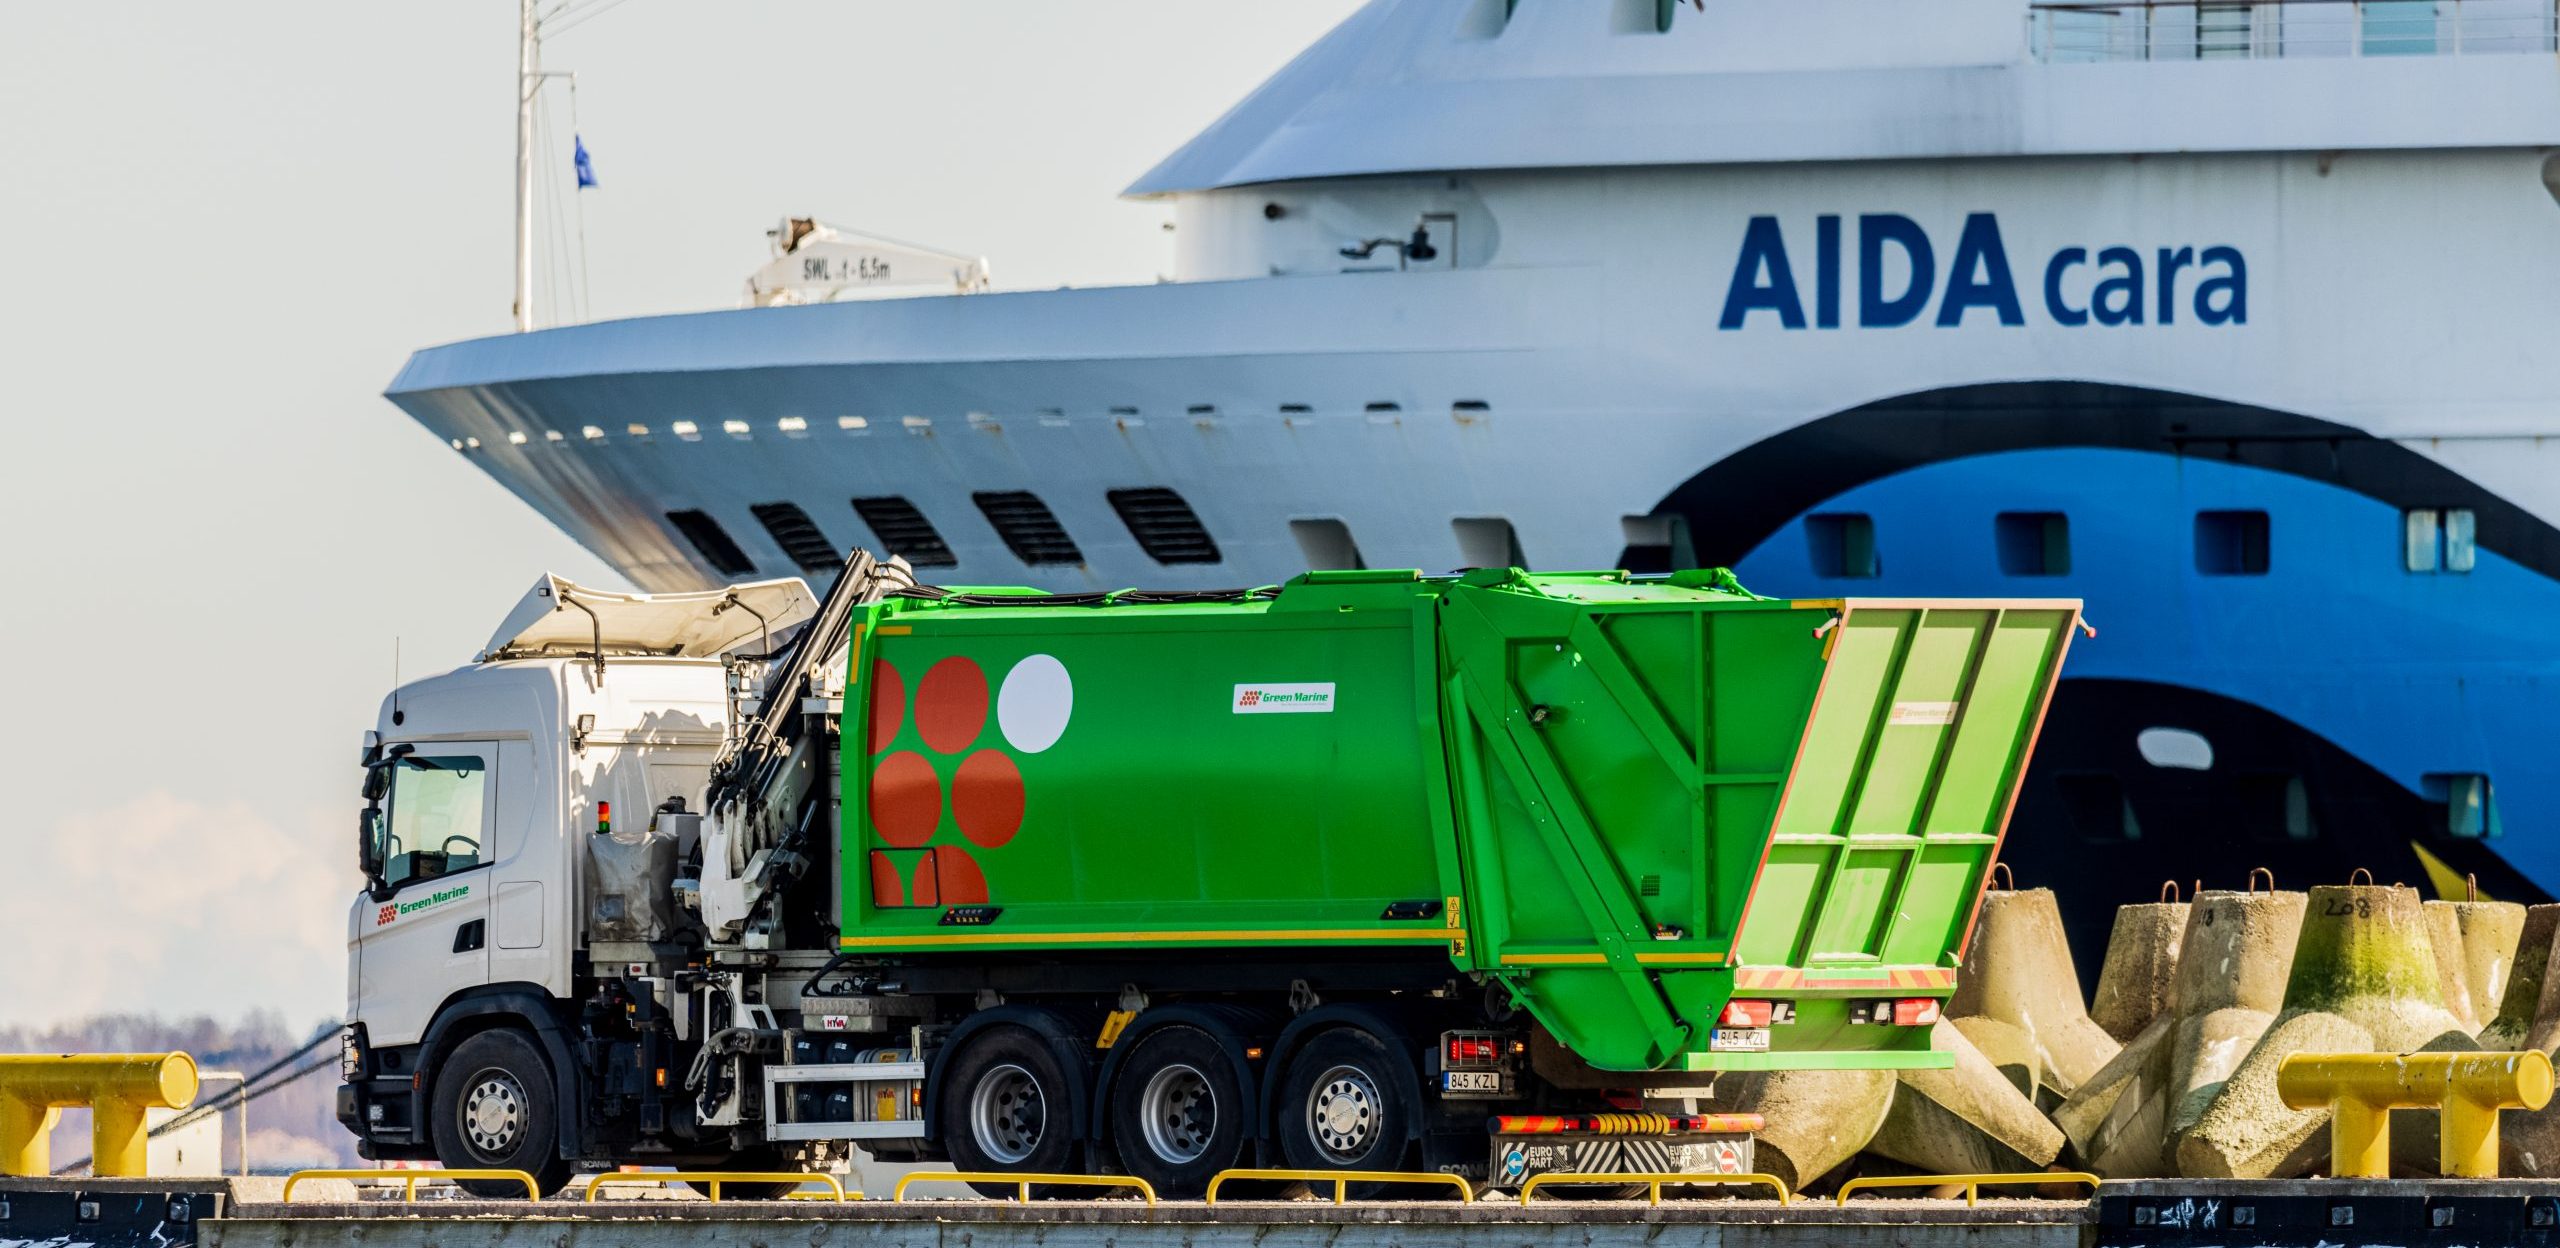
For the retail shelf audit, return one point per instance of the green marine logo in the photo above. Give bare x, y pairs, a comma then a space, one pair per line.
1271, 699
393, 910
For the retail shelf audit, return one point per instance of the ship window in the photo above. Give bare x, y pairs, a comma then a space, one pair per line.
2174, 747
1656, 543
1843, 544
1488, 542
2420, 546
2095, 805
2433, 539
1029, 529
904, 532
2033, 543
1642, 17
2400, 27
1327, 544
2222, 31
1165, 526
2273, 806
2469, 813
712, 542
2231, 543
798, 536
1486, 18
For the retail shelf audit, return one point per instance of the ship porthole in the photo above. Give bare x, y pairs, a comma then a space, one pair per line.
2175, 747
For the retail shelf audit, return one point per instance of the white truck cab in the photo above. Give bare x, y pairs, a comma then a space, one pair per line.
587, 711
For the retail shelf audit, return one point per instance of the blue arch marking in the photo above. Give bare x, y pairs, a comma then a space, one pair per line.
2416, 674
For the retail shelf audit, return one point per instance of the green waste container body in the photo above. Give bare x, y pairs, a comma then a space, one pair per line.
1628, 800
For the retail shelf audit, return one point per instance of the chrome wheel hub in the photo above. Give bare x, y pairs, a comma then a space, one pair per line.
493, 1114
1342, 1116
1179, 1113
1007, 1114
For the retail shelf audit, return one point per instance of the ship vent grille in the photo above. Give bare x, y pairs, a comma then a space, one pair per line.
1029, 529
712, 541
798, 536
1165, 526
903, 531
1649, 886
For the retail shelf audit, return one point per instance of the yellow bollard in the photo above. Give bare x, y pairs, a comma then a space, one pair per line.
117, 1087
2361, 1089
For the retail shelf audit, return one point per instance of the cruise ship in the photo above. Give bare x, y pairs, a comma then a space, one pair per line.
2234, 319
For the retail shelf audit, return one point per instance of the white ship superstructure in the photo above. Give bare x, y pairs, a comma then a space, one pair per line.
2228, 317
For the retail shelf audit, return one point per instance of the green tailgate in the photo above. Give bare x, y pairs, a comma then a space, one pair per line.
1668, 795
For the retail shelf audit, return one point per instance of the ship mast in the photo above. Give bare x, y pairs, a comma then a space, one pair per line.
528, 82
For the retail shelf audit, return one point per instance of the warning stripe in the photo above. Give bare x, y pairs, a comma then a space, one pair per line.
1785, 978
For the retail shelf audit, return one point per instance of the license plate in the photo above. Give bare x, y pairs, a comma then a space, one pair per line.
1739, 1040
1471, 1081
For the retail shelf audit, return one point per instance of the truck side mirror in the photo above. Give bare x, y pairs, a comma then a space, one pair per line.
369, 845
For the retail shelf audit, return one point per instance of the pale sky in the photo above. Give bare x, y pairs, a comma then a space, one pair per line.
222, 229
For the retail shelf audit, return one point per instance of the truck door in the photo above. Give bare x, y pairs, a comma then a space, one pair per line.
428, 935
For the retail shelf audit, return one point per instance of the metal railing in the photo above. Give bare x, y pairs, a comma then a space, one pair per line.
1341, 1180
1972, 1183
1022, 1182
713, 1179
1654, 1183
2068, 31
409, 1179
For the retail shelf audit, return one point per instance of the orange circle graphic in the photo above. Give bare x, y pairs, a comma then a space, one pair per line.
986, 797
951, 705
888, 704
906, 800
957, 874
887, 887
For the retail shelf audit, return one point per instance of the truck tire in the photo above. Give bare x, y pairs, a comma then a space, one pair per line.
493, 1109
1005, 1108
1178, 1111
1342, 1107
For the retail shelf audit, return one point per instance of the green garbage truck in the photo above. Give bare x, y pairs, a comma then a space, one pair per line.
1367, 871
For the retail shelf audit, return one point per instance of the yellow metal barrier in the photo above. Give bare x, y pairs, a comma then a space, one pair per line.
409, 1179
714, 1178
117, 1087
1654, 1183
2361, 1089
1023, 1182
1342, 1180
1973, 1183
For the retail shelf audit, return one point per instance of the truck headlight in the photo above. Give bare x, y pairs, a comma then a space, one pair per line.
350, 1055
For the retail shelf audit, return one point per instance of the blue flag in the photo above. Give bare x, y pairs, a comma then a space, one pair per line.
586, 168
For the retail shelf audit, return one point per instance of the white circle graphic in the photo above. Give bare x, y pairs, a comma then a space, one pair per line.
1033, 705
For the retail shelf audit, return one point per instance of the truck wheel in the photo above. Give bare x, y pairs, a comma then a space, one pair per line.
1005, 1107
492, 1109
1341, 1107
1177, 1111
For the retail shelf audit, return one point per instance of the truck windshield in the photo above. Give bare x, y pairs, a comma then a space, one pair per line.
435, 825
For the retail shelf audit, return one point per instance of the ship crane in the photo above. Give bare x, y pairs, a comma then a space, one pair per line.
814, 262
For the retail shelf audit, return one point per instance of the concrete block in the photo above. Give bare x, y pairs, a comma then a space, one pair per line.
2018, 971
1817, 1119
2142, 960
1966, 1119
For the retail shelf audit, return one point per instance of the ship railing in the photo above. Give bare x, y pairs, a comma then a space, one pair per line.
2081, 31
